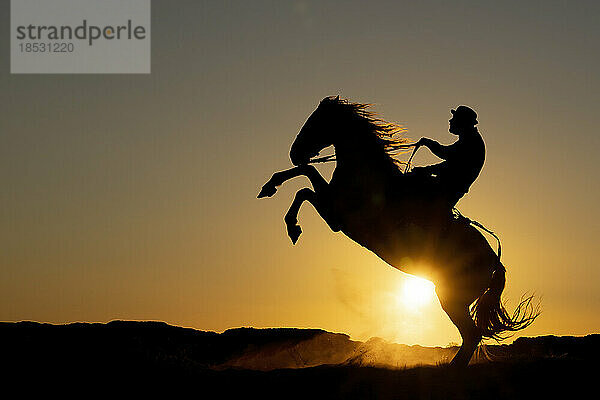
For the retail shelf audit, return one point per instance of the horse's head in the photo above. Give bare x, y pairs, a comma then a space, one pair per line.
318, 131
352, 128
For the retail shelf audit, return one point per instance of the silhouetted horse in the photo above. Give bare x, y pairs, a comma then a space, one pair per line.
390, 213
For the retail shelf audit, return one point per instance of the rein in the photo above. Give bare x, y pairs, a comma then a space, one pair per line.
411, 157
331, 157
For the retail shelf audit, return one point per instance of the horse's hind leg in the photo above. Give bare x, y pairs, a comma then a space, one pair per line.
458, 311
320, 203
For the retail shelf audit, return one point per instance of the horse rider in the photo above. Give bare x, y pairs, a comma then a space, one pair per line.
450, 180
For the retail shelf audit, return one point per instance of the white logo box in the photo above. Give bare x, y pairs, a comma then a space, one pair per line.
80, 36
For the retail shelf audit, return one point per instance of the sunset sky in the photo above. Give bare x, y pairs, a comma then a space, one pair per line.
134, 196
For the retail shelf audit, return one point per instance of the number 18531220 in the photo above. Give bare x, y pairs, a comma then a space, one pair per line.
43, 47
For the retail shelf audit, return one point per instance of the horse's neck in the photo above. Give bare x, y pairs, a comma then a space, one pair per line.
363, 156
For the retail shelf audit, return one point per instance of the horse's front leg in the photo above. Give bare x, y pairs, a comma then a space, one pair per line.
280, 177
291, 217
322, 203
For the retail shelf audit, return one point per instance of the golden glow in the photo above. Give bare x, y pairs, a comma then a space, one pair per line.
416, 292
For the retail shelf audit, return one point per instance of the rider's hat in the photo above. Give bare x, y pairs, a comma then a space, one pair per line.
465, 114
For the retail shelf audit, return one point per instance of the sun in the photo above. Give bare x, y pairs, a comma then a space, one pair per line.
416, 292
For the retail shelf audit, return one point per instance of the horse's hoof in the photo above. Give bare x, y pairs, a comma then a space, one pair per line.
267, 191
294, 232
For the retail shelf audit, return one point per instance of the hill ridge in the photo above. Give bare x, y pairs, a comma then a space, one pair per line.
264, 349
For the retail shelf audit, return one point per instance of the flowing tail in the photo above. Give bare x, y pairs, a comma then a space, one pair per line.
490, 316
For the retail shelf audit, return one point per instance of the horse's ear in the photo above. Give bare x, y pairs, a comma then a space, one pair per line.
337, 98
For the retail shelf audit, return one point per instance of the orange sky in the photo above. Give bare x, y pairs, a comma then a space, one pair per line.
133, 197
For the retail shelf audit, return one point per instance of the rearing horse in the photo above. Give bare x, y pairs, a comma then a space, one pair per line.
390, 213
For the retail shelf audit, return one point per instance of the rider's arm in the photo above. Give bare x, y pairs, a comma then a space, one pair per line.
439, 150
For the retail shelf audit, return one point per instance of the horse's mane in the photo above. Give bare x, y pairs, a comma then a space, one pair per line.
388, 135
